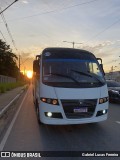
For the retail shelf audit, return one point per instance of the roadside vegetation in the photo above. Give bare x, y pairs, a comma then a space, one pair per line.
9, 86
9, 67
8, 61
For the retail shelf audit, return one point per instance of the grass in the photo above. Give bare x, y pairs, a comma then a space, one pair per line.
9, 86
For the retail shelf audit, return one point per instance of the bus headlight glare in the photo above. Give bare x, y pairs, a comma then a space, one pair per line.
104, 111
49, 114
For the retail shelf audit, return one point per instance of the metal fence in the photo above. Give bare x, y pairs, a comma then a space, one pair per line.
6, 79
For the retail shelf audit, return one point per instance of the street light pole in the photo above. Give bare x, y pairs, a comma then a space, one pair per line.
73, 43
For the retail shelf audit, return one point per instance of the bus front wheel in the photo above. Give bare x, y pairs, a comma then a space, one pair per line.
38, 115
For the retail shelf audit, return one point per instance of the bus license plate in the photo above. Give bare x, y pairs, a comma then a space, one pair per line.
80, 110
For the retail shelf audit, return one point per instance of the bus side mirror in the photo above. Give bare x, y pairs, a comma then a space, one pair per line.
36, 67
101, 65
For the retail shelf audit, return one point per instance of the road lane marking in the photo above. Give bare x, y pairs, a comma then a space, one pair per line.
8, 105
3, 142
118, 122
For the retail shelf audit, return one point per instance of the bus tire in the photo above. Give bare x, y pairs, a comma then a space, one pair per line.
36, 104
38, 115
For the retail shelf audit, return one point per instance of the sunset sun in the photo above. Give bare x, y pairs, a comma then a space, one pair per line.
29, 74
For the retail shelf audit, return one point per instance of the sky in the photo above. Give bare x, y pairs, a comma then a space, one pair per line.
37, 24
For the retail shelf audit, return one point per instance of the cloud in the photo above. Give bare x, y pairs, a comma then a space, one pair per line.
25, 54
118, 40
32, 51
25, 1
98, 47
107, 50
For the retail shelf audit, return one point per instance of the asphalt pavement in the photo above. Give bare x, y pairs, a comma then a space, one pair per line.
7, 97
25, 134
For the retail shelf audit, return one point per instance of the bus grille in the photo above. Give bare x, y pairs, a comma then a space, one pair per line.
76, 109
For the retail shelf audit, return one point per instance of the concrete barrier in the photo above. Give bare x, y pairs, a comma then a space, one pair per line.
6, 79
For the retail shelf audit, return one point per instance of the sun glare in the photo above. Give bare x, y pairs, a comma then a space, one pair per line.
29, 74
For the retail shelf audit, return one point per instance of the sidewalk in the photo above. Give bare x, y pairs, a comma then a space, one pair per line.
7, 97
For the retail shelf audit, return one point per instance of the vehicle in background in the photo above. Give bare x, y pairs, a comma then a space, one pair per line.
113, 90
69, 87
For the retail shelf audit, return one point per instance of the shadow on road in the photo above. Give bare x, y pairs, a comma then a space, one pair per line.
82, 137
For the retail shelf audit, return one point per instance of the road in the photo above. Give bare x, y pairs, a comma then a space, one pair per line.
27, 135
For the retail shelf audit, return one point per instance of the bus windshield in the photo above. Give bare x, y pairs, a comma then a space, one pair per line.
71, 70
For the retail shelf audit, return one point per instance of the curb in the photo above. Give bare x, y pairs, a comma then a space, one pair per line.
8, 105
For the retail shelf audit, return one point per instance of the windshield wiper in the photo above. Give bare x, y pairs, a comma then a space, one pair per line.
83, 73
62, 75
93, 75
88, 74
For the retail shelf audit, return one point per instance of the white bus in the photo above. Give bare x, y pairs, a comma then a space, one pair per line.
69, 87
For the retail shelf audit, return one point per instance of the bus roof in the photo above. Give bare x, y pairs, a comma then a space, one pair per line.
65, 49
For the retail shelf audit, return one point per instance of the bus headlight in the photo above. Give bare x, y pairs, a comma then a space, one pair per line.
43, 100
54, 101
103, 100
50, 101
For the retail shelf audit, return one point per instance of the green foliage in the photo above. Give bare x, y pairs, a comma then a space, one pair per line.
8, 66
2, 89
8, 86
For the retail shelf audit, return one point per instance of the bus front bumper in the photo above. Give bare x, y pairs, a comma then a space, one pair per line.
55, 115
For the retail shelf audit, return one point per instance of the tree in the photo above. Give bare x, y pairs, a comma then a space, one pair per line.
8, 65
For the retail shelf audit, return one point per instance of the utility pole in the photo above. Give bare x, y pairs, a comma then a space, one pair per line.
18, 67
19, 63
24, 70
73, 43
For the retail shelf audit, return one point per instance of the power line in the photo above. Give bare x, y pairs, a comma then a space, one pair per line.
3, 36
11, 37
8, 30
61, 5
76, 5
8, 6
108, 27
25, 60
64, 8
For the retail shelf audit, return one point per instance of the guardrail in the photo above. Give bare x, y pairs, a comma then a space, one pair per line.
6, 79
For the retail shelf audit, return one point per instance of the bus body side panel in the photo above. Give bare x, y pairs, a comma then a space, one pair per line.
36, 86
103, 91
